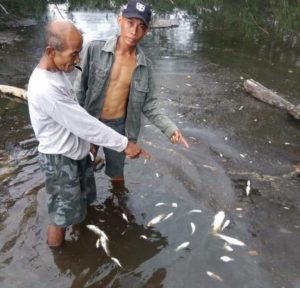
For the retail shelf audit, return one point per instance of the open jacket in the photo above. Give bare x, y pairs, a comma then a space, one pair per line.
90, 87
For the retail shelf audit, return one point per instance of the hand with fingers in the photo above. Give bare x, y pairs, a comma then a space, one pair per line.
134, 151
177, 138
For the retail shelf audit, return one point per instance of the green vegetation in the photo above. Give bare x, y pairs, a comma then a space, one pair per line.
249, 19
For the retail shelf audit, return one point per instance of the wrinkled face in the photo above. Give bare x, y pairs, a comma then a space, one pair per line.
132, 30
66, 59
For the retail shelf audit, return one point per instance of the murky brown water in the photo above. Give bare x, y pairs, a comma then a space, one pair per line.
233, 139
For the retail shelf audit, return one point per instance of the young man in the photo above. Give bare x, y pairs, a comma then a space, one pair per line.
65, 130
116, 84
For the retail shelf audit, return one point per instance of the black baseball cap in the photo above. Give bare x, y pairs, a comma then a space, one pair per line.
137, 9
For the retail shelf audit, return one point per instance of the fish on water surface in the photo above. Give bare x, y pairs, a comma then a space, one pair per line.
182, 246
218, 220
156, 220
231, 240
97, 231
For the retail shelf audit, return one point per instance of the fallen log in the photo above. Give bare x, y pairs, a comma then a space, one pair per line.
270, 97
13, 92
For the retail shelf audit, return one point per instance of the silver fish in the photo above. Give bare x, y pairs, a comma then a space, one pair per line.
160, 204
226, 259
226, 223
182, 246
214, 276
116, 261
227, 247
144, 237
231, 240
218, 220
248, 188
98, 243
193, 226
156, 220
195, 211
175, 205
168, 216
125, 217
97, 231
104, 245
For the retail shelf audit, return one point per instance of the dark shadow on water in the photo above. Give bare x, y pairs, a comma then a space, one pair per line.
88, 266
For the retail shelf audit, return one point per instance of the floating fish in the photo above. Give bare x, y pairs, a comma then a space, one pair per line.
156, 220
248, 188
98, 243
226, 259
227, 247
239, 209
160, 204
157, 175
104, 245
125, 217
214, 276
182, 246
116, 261
218, 220
144, 237
231, 240
97, 231
193, 226
175, 205
226, 223
168, 216
195, 211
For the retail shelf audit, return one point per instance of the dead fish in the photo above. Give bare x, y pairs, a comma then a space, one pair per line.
125, 217
175, 205
193, 226
156, 220
218, 220
227, 247
97, 231
226, 223
195, 211
168, 216
160, 204
226, 259
104, 245
248, 188
157, 175
214, 276
144, 237
230, 240
116, 261
98, 243
182, 246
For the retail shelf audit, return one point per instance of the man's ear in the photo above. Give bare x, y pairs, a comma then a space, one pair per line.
119, 19
50, 51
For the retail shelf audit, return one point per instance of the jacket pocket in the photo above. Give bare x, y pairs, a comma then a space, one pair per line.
140, 92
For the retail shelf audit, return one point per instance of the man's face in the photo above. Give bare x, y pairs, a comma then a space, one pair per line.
132, 30
66, 59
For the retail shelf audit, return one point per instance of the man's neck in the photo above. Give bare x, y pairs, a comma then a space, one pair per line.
123, 49
44, 64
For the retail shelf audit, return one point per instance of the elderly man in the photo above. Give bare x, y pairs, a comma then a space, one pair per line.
116, 85
65, 130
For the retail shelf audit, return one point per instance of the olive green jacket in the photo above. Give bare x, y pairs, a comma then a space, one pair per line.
90, 87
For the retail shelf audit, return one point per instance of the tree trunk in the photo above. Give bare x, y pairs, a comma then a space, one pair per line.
266, 95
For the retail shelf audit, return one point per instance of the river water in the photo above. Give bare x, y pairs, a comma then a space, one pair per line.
233, 139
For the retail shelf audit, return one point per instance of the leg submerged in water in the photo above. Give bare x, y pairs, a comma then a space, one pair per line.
56, 236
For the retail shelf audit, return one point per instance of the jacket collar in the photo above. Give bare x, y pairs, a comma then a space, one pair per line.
110, 47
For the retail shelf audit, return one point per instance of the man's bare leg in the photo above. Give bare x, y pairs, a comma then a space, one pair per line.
56, 236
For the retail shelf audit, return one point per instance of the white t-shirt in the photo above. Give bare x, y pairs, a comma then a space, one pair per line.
60, 124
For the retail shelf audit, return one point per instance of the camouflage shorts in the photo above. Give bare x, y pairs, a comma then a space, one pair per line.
70, 186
